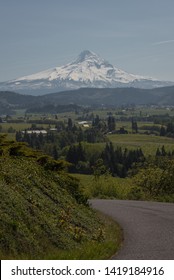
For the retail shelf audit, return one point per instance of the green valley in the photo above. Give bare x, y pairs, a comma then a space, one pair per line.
54, 158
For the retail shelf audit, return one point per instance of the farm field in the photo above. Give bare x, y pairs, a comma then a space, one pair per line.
148, 143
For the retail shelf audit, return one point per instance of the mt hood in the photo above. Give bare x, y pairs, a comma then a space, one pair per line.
88, 70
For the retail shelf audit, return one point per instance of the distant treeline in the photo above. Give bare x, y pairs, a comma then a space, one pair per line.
54, 109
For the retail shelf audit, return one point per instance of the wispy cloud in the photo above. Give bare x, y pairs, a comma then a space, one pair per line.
163, 42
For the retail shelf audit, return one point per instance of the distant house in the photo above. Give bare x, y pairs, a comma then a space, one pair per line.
53, 129
42, 131
84, 124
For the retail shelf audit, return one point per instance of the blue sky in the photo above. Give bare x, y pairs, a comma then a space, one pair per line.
134, 35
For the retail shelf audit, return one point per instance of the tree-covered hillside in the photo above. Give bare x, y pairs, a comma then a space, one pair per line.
55, 102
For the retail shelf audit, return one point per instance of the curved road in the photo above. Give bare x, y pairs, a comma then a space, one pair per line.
148, 228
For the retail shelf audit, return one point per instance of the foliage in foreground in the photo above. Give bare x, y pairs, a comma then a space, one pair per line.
42, 211
106, 186
152, 181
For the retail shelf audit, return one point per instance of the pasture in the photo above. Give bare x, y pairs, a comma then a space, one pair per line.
148, 143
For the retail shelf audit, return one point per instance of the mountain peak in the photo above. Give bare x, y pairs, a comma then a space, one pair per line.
86, 55
88, 70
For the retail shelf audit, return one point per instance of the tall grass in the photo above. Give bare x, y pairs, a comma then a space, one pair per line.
109, 187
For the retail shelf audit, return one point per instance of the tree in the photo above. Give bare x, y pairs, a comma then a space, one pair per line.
55, 153
158, 152
109, 158
33, 126
70, 124
157, 180
170, 128
96, 121
149, 179
11, 130
163, 151
77, 156
81, 152
19, 137
80, 135
99, 168
134, 126
122, 130
162, 131
111, 123
72, 155
76, 153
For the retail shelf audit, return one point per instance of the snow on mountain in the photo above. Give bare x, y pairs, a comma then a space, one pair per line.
88, 70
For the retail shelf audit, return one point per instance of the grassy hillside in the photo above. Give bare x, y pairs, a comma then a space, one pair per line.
42, 213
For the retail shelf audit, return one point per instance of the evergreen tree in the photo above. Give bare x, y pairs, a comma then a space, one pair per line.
162, 131
96, 121
111, 123
41, 139
72, 155
134, 126
158, 153
80, 135
170, 128
55, 153
19, 137
163, 151
70, 124
80, 152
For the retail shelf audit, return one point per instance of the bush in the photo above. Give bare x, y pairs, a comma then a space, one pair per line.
51, 164
157, 180
135, 193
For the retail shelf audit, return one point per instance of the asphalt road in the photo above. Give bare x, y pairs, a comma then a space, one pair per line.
148, 228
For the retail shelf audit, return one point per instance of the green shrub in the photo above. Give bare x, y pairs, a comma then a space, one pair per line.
157, 180
136, 193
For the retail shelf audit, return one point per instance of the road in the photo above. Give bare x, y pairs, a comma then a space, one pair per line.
148, 228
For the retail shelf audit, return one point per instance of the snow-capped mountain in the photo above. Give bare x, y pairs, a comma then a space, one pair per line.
88, 70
